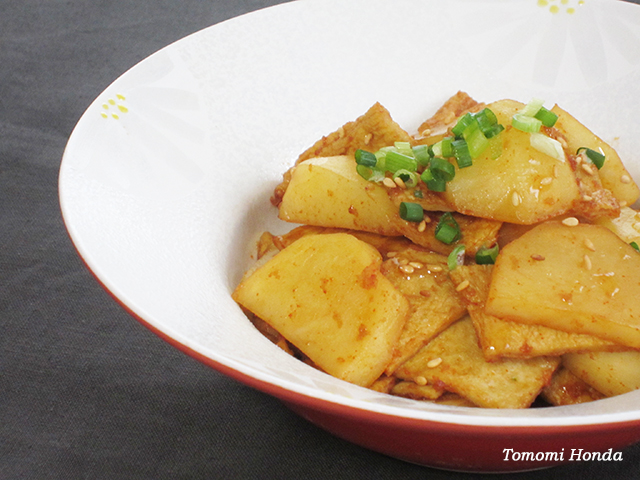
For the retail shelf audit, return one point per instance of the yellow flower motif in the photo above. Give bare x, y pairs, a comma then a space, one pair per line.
113, 108
566, 6
558, 44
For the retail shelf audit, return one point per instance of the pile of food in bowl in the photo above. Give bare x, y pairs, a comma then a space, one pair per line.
491, 260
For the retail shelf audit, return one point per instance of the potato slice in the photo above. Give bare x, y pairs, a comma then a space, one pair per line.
567, 389
454, 362
522, 185
613, 174
329, 192
611, 373
422, 278
371, 131
502, 338
325, 294
579, 279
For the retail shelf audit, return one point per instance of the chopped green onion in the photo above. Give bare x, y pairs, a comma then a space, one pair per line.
461, 153
463, 122
469, 129
485, 120
383, 152
395, 161
436, 149
456, 257
635, 245
446, 150
411, 212
487, 256
525, 123
547, 117
370, 174
488, 122
404, 148
495, 147
447, 230
441, 168
365, 158
532, 108
410, 179
493, 131
422, 154
486, 116
427, 175
439, 172
436, 184
476, 141
547, 145
594, 157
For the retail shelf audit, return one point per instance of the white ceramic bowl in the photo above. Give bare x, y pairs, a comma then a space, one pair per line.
165, 183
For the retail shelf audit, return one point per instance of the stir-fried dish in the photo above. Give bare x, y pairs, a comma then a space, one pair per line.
490, 259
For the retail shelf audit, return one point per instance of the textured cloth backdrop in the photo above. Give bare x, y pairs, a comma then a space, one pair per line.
85, 391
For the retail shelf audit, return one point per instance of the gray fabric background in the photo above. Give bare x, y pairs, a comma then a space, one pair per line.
86, 392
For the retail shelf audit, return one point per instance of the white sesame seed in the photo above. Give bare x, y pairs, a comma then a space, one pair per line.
427, 218
515, 199
422, 226
367, 138
416, 265
387, 182
462, 285
587, 198
391, 254
625, 179
407, 268
434, 363
436, 268
570, 221
420, 381
589, 244
546, 181
398, 181
426, 132
587, 168
587, 262
537, 257
555, 171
